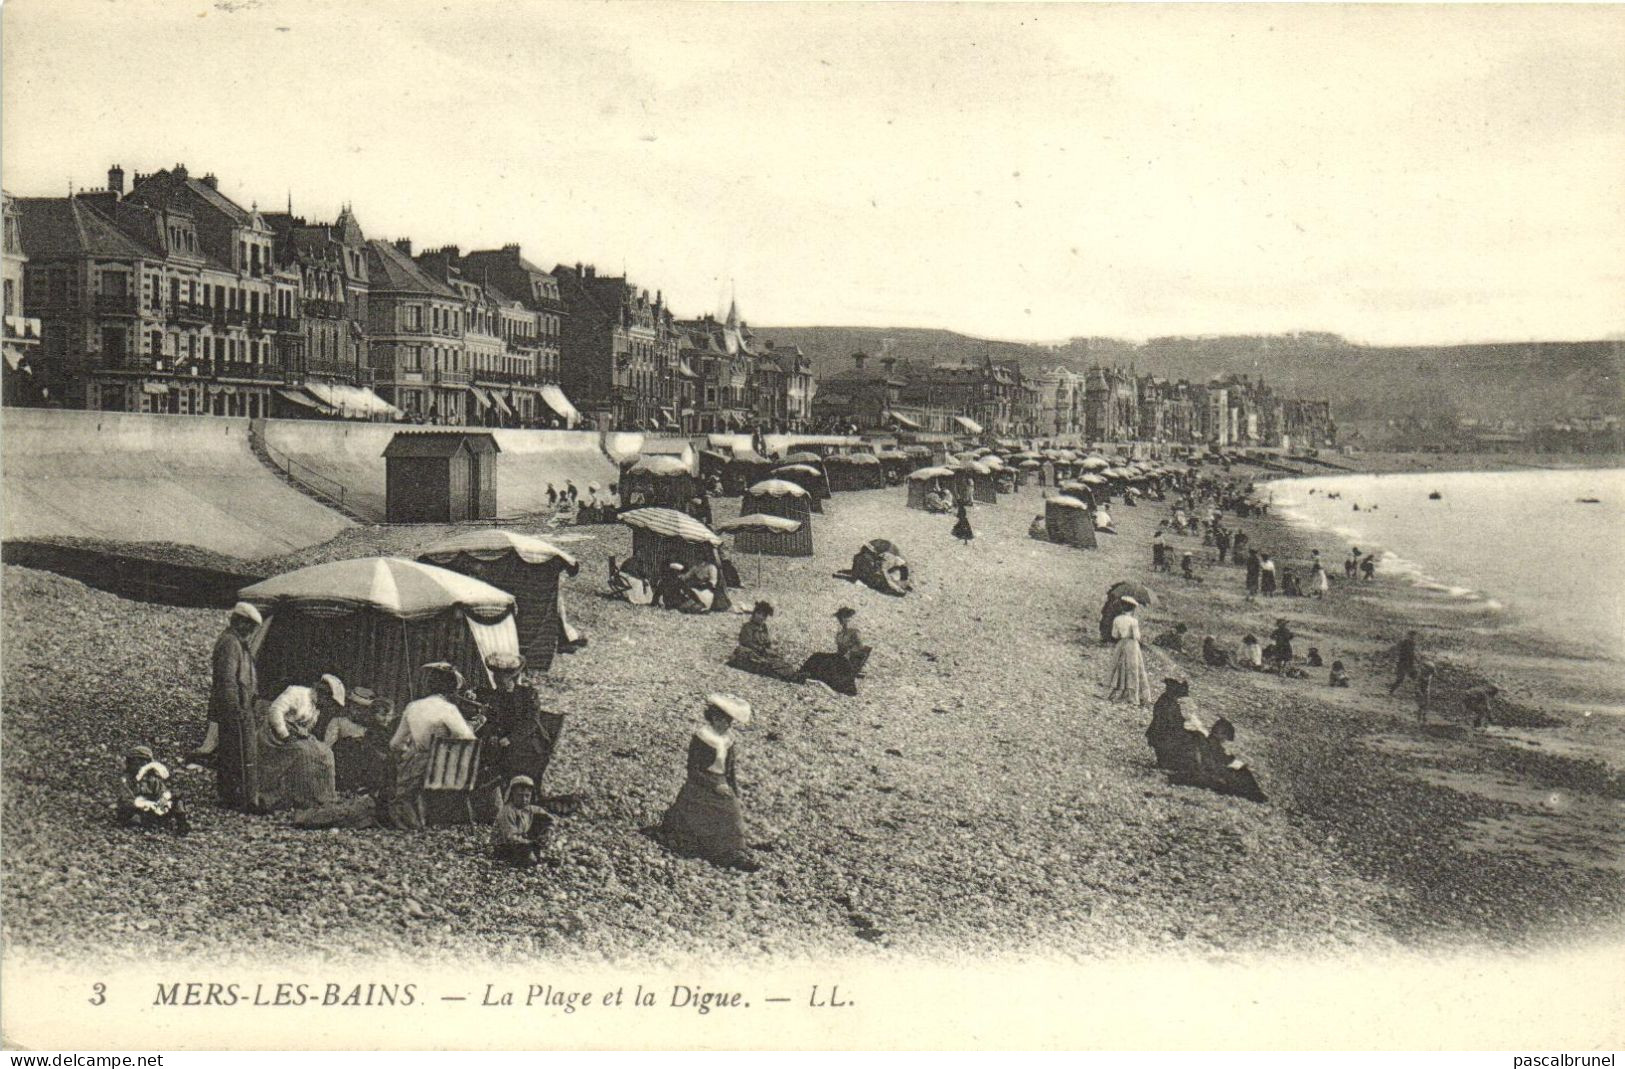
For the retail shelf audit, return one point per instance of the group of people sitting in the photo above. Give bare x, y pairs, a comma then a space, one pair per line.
697, 588
569, 507
839, 671
337, 755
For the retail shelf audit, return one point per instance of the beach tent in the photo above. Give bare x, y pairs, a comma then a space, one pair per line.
983, 487
896, 463
773, 536
807, 477
925, 480
1069, 522
779, 497
525, 567
870, 474
375, 621
880, 565
746, 467
659, 480
660, 536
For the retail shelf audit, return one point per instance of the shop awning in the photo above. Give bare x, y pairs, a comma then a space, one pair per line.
304, 400
903, 421
155, 387
559, 403
501, 403
352, 402
685, 371
481, 396
969, 424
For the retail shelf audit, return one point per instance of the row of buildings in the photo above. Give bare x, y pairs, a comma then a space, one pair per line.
168, 296
1102, 404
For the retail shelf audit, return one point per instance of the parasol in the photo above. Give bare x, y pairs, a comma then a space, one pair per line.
1128, 588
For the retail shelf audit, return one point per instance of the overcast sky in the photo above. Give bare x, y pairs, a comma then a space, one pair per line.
1395, 174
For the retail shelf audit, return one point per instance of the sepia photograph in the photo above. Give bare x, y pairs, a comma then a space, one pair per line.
547, 524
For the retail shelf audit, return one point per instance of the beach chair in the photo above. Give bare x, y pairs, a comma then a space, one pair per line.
454, 768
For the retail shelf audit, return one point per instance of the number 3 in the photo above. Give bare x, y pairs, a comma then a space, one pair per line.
101, 994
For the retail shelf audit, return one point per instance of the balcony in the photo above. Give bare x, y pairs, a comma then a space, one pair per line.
315, 306
259, 324
452, 378
235, 317
243, 369
125, 304
187, 312
286, 325
339, 370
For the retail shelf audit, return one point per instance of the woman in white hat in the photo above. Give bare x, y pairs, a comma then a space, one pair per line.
1128, 681
705, 819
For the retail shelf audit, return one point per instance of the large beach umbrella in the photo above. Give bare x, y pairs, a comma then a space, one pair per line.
670, 523
373, 621
1129, 588
1095, 462
802, 457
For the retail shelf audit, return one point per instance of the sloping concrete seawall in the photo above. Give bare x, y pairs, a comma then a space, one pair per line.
352, 455
127, 477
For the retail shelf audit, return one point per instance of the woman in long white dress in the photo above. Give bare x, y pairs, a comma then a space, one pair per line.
1128, 681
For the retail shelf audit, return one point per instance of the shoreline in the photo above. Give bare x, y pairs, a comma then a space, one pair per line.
1381, 462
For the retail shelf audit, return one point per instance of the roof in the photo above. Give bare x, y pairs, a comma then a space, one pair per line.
439, 443
65, 227
392, 269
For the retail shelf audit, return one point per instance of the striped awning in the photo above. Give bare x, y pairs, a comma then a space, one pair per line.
491, 544
903, 421
672, 524
501, 403
481, 396
969, 424
559, 403
300, 397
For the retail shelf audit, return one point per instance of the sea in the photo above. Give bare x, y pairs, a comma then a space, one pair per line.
1527, 547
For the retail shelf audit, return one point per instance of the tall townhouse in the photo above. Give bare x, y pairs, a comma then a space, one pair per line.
415, 330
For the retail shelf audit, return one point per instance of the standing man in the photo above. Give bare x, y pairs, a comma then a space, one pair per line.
232, 693
1404, 660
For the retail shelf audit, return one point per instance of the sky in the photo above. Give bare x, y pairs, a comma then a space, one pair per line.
1396, 174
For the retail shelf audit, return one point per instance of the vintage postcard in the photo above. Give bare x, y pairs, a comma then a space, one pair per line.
563, 525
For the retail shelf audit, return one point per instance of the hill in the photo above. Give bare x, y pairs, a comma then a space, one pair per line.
1527, 381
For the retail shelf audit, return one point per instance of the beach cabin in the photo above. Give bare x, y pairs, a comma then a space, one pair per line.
440, 477
778, 497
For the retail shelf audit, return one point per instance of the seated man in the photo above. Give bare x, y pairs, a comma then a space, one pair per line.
755, 651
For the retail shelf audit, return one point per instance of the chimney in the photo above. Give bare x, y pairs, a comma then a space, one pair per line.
404, 244
580, 273
180, 170
211, 181
592, 271
115, 179
511, 248
858, 359
888, 362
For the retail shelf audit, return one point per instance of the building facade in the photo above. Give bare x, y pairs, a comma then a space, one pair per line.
415, 330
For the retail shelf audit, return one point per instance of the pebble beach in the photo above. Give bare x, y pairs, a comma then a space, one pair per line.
979, 797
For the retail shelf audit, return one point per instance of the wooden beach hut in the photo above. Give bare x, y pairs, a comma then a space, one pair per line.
440, 477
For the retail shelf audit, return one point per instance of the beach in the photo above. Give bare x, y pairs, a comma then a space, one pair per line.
981, 755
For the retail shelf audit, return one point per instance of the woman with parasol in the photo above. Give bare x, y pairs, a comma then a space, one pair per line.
1127, 681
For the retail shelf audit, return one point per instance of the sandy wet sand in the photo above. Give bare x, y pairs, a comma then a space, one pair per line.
978, 797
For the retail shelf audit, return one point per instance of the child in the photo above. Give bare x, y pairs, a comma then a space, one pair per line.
1477, 702
521, 828
1313, 660
1187, 566
145, 800
1338, 677
1252, 654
